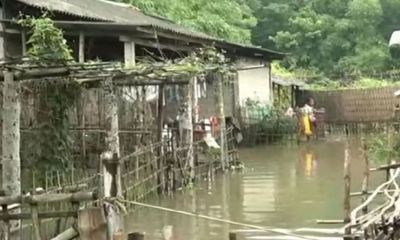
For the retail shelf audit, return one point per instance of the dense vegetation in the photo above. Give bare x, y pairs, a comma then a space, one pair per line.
334, 38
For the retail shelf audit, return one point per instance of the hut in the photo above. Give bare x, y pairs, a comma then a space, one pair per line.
111, 31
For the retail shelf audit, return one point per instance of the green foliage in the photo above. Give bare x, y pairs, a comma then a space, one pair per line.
362, 83
379, 149
51, 145
227, 19
45, 41
335, 38
270, 120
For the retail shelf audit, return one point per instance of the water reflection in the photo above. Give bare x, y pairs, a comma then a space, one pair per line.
308, 160
282, 186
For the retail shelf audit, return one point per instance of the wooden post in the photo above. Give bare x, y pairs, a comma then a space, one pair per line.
11, 173
232, 236
195, 102
35, 222
135, 236
110, 160
112, 171
365, 182
189, 130
129, 52
81, 47
23, 42
347, 181
221, 116
160, 126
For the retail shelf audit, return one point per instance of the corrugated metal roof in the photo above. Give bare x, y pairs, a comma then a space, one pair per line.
103, 10
108, 11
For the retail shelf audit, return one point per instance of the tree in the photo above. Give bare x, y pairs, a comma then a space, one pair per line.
334, 37
227, 19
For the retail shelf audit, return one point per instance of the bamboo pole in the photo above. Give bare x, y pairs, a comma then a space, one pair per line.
347, 182
48, 198
160, 126
365, 182
81, 47
221, 116
11, 162
189, 130
35, 222
385, 167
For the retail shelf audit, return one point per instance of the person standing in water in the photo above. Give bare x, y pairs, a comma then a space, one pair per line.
308, 118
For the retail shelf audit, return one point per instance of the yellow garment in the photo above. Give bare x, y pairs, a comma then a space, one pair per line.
307, 125
309, 164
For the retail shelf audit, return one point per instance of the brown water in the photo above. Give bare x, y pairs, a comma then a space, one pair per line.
281, 187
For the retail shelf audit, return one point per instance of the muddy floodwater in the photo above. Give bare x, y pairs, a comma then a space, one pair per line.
282, 186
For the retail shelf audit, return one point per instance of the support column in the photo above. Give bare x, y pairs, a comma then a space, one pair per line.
160, 126
11, 174
23, 42
110, 159
221, 117
112, 171
129, 53
189, 129
81, 47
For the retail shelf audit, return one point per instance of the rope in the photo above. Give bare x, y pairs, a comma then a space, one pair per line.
192, 214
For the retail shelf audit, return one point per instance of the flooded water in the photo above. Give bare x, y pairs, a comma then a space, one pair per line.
281, 187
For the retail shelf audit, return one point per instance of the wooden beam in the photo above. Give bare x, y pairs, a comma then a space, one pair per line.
43, 215
156, 44
48, 198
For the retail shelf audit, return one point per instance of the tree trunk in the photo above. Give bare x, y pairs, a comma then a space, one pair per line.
11, 174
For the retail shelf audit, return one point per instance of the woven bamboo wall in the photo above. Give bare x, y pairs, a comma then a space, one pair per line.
356, 105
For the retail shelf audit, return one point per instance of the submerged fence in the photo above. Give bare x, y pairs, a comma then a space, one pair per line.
355, 105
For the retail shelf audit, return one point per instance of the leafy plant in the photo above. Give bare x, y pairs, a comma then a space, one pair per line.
45, 41
380, 150
51, 145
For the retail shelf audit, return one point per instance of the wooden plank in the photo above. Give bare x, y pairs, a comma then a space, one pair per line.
48, 198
